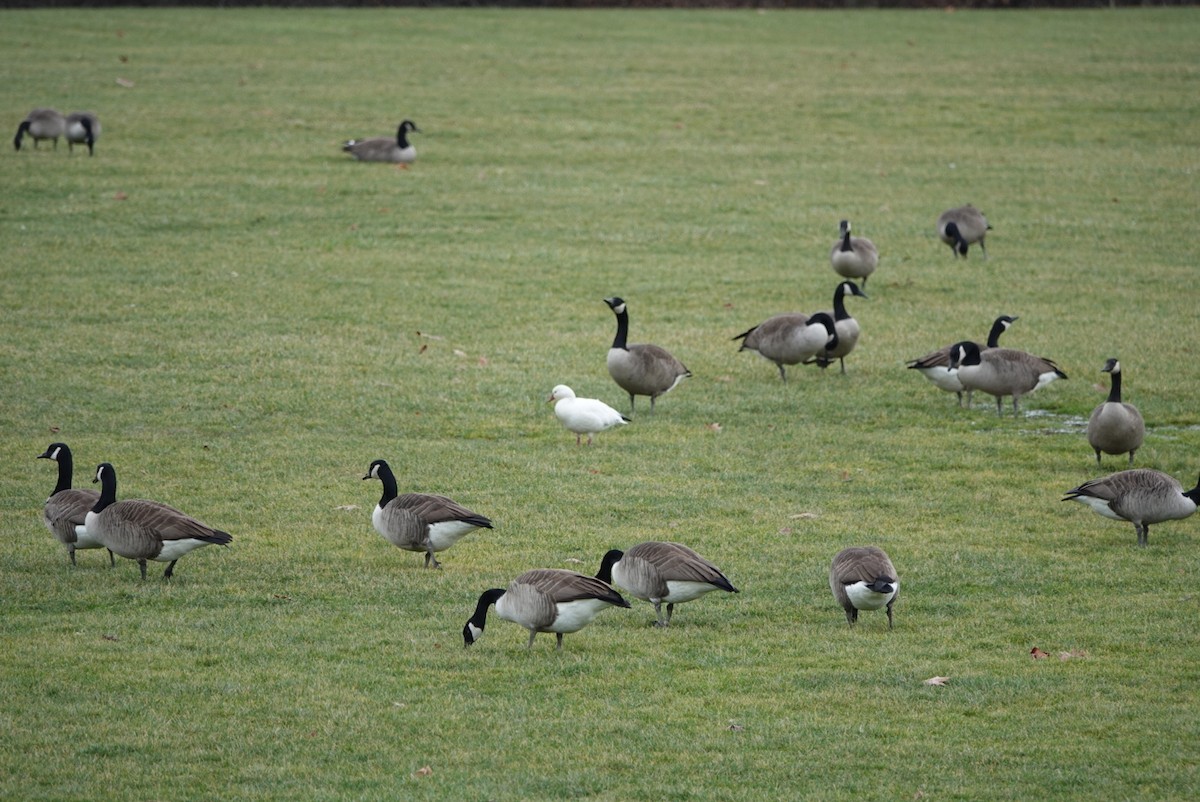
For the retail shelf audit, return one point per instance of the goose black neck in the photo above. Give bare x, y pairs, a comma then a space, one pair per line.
1114, 392
384, 472
606, 565
1194, 494
22, 129
998, 328
66, 469
402, 137
108, 487
846, 241
622, 330
839, 302
486, 600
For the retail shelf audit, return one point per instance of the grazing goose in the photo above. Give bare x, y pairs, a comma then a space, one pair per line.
962, 227
935, 365
420, 521
67, 508
1001, 371
790, 339
145, 530
660, 572
1115, 427
641, 369
853, 257
83, 128
863, 578
583, 415
41, 124
1140, 496
382, 149
846, 326
545, 600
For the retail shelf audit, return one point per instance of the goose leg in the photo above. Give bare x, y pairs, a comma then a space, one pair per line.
142, 565
782, 375
112, 561
1098, 458
1130, 457
889, 612
170, 572
431, 561
851, 615
1143, 534
532, 635
659, 622
670, 612
632, 405
71, 553
558, 635
843, 361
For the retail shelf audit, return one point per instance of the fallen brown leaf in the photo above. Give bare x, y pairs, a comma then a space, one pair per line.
421, 350
716, 427
120, 196
424, 771
125, 82
1073, 654
939, 681
1038, 654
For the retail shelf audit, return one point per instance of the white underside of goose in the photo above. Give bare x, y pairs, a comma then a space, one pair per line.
174, 549
943, 378
679, 591
83, 540
1099, 505
863, 598
442, 535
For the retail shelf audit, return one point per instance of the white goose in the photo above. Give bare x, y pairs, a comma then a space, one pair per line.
583, 415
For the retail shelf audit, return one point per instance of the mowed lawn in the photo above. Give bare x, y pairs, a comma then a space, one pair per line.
241, 318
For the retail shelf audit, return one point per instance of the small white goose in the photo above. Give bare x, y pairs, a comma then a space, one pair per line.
863, 578
659, 571
582, 416
421, 522
65, 512
1140, 496
545, 600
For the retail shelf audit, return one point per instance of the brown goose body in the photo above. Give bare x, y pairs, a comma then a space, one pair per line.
1140, 496
1002, 372
142, 530
1115, 427
962, 227
863, 578
545, 600
935, 366
41, 124
847, 327
65, 512
396, 150
661, 571
791, 338
853, 257
640, 368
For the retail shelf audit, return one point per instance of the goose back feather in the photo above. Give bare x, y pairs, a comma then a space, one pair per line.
863, 578
1140, 496
661, 571
962, 227
791, 338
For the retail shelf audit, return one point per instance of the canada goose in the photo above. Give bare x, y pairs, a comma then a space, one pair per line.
144, 530
790, 339
420, 521
962, 227
583, 415
67, 508
660, 572
863, 578
853, 257
1001, 371
847, 327
1140, 496
83, 128
383, 149
41, 124
545, 600
1115, 427
641, 369
935, 365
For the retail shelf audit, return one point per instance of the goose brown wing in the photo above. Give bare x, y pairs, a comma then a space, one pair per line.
67, 509
565, 586
433, 509
151, 518
676, 562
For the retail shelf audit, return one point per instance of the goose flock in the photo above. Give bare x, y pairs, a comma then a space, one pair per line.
861, 578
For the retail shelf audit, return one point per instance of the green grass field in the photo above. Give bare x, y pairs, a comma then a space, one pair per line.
241, 319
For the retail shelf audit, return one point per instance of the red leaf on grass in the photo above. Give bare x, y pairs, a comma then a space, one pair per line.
1038, 654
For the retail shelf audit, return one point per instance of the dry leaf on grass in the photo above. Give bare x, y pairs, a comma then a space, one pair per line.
939, 681
1038, 654
125, 82
424, 771
716, 427
1074, 654
803, 516
346, 507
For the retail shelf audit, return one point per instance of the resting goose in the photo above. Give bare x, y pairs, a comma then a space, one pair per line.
790, 339
420, 521
41, 124
545, 600
583, 415
853, 257
935, 365
66, 510
145, 530
847, 327
1115, 427
641, 369
659, 572
383, 149
863, 578
961, 227
1001, 371
1140, 496
83, 128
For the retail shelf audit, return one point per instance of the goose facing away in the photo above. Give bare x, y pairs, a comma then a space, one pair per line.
790, 339
82, 128
846, 326
583, 415
961, 227
863, 578
142, 530
853, 257
398, 151
545, 600
640, 368
41, 124
1115, 427
1001, 371
420, 522
935, 366
659, 572
1140, 496
65, 512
